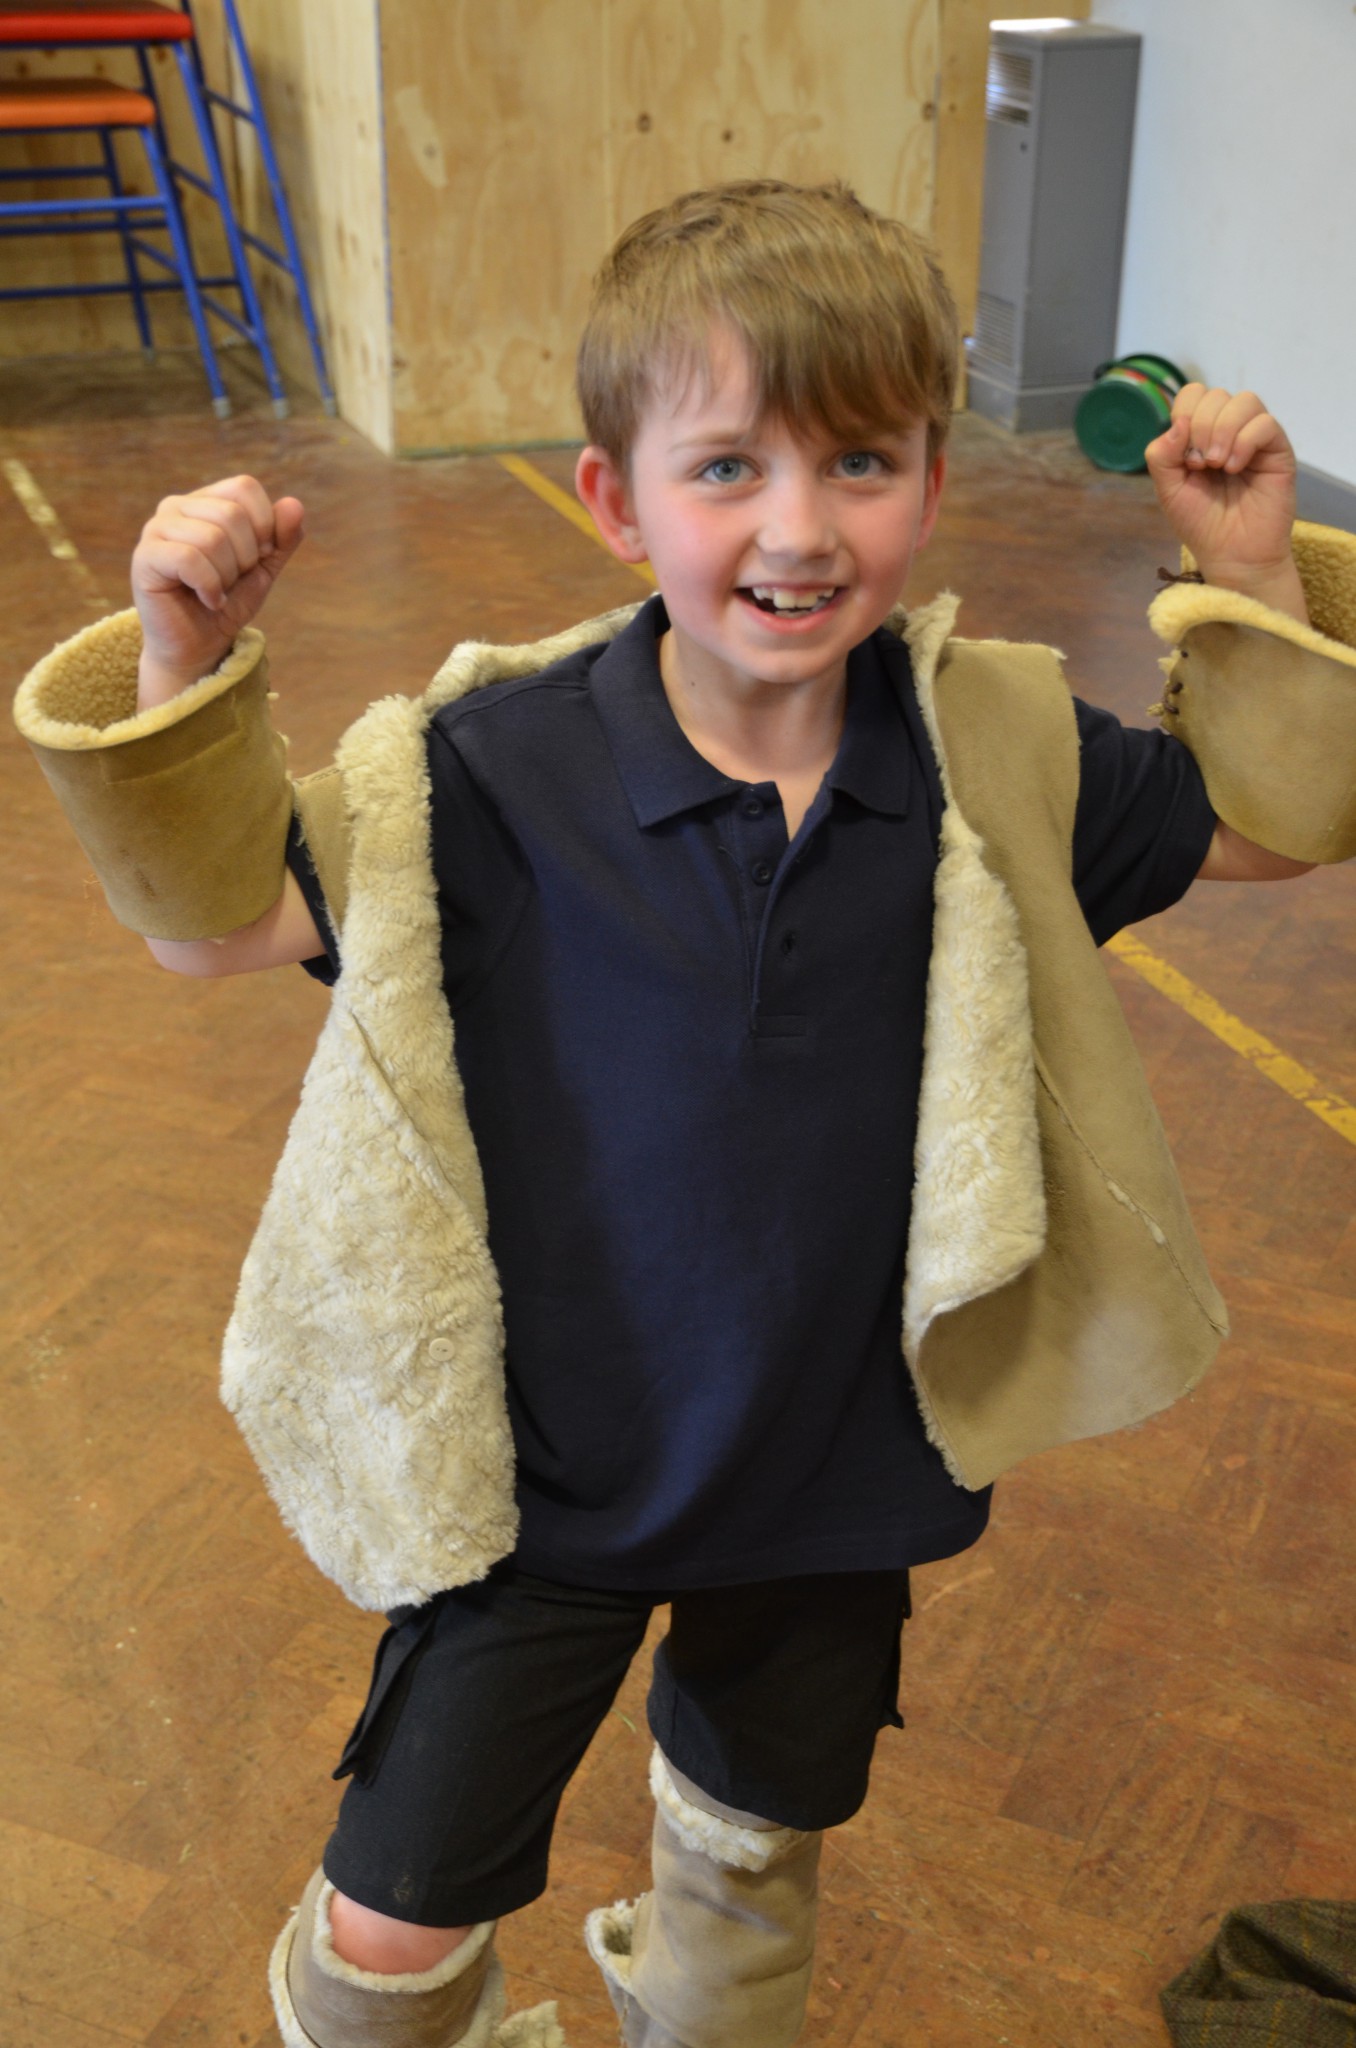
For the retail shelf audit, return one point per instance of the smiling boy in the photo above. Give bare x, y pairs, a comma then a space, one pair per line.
765, 918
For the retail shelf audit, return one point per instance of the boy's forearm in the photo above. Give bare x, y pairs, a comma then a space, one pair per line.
285, 935
1277, 585
158, 682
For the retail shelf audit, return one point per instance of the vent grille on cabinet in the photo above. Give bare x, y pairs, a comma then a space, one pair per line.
996, 328
1010, 86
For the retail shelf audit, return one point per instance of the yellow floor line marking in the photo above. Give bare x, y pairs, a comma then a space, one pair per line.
1278, 1066
27, 490
1297, 1081
568, 508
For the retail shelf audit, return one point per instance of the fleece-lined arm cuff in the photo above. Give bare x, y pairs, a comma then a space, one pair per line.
183, 810
1268, 705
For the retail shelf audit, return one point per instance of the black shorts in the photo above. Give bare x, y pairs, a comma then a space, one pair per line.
483, 1702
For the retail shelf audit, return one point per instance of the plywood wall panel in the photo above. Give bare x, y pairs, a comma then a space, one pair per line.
496, 182
317, 66
705, 90
521, 138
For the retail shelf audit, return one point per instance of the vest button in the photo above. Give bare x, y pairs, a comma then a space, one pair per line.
442, 1348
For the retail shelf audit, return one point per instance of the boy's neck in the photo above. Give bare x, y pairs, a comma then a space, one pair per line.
752, 730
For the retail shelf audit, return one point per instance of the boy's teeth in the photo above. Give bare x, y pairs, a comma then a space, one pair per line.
790, 600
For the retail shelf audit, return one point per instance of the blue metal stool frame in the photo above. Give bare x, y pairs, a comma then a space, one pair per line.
202, 99
117, 211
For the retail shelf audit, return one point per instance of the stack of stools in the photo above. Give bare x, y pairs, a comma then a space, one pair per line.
93, 105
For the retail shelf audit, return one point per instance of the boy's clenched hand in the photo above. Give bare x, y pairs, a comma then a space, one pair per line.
1225, 476
201, 570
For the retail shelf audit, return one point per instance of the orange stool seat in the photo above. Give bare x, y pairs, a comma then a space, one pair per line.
84, 21
37, 103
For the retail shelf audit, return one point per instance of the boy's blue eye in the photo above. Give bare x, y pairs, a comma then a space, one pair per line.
726, 469
860, 462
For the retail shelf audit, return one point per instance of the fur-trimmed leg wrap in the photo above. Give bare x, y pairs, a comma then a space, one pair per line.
719, 1954
324, 2002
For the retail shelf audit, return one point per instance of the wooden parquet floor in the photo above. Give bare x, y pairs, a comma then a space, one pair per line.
1131, 1706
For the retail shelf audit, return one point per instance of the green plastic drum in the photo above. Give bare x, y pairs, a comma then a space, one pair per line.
1128, 407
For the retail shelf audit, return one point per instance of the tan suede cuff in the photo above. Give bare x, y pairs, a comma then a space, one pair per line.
182, 810
1268, 705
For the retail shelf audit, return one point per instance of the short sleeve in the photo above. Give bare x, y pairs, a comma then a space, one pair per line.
1143, 824
480, 872
325, 966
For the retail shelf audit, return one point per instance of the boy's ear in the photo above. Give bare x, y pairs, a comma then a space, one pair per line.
605, 493
932, 498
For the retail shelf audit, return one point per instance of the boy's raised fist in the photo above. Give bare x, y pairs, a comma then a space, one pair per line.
1225, 476
201, 570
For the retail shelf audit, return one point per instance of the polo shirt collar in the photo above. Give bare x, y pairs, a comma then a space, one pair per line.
875, 759
663, 774
659, 768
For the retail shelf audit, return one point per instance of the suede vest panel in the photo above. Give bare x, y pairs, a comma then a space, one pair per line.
1054, 1285
1117, 1316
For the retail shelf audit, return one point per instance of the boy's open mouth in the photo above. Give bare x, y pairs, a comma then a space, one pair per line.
782, 603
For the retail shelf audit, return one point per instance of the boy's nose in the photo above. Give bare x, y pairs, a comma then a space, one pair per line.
796, 525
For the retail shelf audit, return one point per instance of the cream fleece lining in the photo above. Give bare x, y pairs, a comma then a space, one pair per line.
978, 1214
1326, 559
706, 1834
102, 686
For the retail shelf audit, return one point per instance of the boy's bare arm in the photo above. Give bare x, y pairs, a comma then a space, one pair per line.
202, 569
282, 937
1232, 858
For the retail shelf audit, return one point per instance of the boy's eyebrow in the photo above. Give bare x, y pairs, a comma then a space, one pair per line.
742, 430
747, 430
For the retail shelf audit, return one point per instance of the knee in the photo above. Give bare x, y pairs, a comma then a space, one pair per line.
374, 1941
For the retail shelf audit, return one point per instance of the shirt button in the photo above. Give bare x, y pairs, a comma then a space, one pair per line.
761, 872
752, 807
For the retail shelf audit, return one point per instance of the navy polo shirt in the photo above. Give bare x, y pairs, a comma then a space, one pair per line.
691, 1054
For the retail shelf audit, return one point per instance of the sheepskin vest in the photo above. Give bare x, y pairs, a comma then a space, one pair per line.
1054, 1288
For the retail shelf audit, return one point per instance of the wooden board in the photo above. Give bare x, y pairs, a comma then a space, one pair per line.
521, 138
800, 89
497, 193
316, 63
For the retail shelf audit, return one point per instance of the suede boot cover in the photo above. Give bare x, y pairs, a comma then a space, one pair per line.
323, 2002
719, 1954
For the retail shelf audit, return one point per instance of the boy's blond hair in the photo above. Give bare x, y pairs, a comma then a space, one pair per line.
845, 315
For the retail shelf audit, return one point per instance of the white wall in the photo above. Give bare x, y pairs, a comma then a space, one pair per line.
1240, 258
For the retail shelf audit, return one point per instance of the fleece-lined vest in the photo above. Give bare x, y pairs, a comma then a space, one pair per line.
1054, 1286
